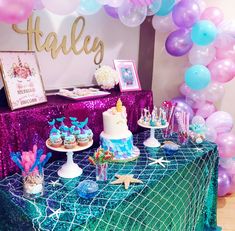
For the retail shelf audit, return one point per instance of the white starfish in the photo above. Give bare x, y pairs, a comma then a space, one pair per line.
56, 213
158, 161
55, 183
198, 149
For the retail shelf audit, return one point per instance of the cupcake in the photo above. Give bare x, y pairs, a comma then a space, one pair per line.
63, 128
89, 132
70, 141
75, 130
64, 132
55, 140
82, 138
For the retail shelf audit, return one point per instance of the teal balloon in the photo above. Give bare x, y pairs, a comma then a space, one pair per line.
88, 7
166, 7
204, 32
197, 77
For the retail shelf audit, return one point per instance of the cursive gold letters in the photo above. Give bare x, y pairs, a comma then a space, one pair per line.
52, 45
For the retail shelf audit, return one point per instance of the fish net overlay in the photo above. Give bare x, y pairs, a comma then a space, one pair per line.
181, 196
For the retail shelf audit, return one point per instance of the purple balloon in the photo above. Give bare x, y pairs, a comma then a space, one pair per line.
111, 11
223, 183
186, 13
179, 42
183, 106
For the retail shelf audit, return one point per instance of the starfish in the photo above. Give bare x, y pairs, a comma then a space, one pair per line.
198, 149
126, 180
158, 161
56, 213
55, 183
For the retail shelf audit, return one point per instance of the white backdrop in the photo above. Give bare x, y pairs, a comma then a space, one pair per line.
120, 42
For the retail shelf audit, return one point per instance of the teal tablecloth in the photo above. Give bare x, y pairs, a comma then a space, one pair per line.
180, 197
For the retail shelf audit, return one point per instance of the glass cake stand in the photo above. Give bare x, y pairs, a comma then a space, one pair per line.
152, 142
69, 169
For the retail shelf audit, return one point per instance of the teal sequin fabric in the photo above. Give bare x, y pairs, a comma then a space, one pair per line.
180, 197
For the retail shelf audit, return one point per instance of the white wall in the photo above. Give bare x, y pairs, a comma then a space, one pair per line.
120, 42
169, 70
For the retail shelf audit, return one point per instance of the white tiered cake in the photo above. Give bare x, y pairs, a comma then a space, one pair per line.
116, 136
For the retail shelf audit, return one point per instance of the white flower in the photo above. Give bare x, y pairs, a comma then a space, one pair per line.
106, 77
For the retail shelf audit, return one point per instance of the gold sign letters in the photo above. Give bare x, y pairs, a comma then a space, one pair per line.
52, 45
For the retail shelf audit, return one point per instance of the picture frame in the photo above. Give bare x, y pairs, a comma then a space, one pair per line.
128, 75
22, 80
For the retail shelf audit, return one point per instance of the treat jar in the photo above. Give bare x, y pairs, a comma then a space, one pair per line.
101, 171
33, 185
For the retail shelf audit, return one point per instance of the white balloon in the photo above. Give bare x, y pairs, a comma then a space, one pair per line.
163, 24
115, 3
132, 15
201, 55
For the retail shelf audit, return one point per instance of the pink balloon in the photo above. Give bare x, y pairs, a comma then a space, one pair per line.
38, 5
61, 7
185, 89
227, 52
221, 121
211, 134
197, 97
15, 11
213, 14
214, 92
206, 110
226, 145
228, 164
222, 70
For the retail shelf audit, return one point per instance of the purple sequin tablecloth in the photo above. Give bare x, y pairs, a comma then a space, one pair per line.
20, 129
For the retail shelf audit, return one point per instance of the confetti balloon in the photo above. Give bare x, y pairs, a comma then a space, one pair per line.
222, 121
61, 7
226, 145
206, 110
213, 14
132, 15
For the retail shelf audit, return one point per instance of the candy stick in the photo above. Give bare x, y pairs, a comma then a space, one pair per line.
49, 154
15, 159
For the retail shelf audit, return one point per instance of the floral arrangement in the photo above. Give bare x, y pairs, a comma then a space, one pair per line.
106, 77
101, 156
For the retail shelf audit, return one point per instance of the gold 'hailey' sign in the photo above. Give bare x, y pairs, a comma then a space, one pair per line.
52, 45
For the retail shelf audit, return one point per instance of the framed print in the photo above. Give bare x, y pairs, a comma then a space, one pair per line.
21, 78
128, 76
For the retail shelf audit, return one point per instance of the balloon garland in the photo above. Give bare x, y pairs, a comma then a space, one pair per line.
194, 30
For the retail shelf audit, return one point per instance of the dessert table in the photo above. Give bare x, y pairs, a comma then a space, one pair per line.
181, 196
20, 129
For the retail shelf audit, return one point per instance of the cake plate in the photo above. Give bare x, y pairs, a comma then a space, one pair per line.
69, 169
152, 142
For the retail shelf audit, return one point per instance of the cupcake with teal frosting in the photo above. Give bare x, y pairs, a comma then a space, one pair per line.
75, 130
89, 132
70, 141
82, 138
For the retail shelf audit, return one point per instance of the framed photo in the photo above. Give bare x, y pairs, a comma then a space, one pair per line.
128, 76
21, 78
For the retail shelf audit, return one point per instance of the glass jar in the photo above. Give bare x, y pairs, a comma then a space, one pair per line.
101, 172
33, 185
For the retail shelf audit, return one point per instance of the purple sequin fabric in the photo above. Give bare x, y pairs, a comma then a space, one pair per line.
20, 129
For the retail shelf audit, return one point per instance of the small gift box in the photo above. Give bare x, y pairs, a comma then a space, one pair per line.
100, 160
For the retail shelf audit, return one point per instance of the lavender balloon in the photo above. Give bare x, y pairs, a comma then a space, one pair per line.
179, 42
111, 11
183, 106
223, 183
186, 13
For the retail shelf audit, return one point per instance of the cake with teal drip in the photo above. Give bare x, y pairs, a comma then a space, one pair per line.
116, 137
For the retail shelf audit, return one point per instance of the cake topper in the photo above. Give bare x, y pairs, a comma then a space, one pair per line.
119, 105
